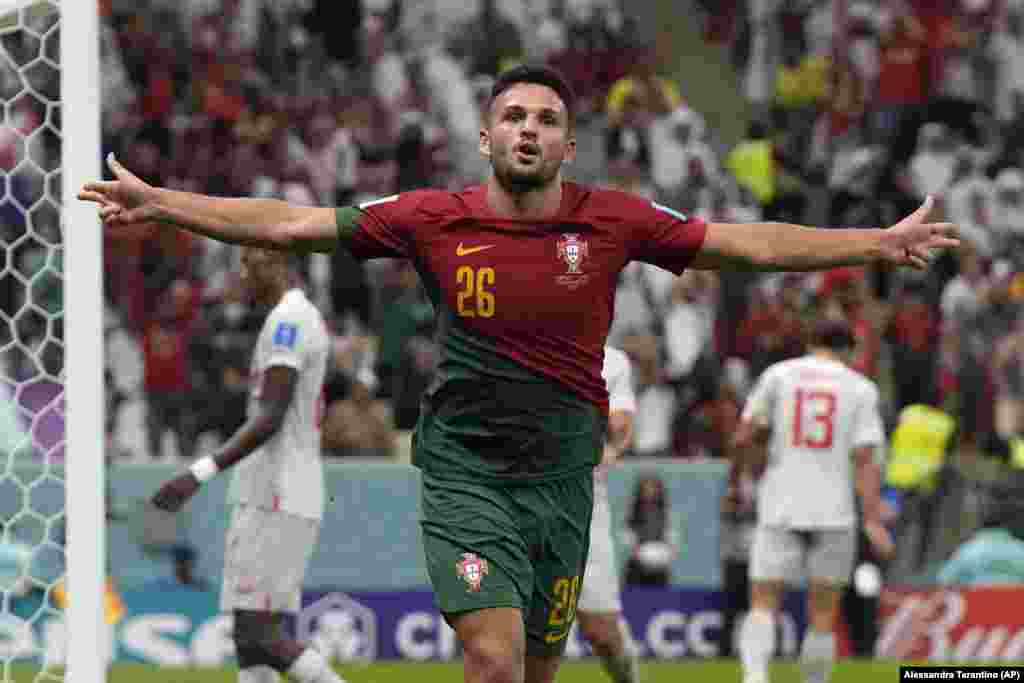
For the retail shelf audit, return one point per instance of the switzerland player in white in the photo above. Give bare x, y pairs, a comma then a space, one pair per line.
600, 607
825, 436
278, 487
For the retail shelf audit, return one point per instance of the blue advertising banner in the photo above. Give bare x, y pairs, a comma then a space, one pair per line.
174, 626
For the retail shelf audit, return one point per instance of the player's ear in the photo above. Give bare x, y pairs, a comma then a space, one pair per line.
485, 143
570, 150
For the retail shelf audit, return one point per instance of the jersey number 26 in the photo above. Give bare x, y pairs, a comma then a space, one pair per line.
475, 298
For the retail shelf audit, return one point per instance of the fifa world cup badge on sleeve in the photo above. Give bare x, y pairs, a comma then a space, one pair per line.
572, 251
472, 570
285, 335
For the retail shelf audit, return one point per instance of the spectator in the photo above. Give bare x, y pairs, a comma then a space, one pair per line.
167, 373
1007, 50
1008, 214
1008, 371
994, 555
488, 43
650, 536
970, 202
932, 167
655, 402
359, 425
408, 354
903, 73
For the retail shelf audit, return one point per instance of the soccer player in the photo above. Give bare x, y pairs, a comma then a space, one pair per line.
600, 606
522, 272
824, 434
277, 490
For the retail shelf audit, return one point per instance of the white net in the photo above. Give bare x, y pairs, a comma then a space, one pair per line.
31, 346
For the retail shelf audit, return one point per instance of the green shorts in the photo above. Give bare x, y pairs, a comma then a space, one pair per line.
495, 545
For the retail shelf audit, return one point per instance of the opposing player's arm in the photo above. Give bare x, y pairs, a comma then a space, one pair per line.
276, 397
869, 483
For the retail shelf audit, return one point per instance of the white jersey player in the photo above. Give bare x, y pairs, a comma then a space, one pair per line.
600, 607
824, 435
278, 488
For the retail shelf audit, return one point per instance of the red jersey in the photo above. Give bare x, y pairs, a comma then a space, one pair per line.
538, 293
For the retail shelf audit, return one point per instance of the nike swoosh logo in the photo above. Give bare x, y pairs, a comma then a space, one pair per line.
464, 251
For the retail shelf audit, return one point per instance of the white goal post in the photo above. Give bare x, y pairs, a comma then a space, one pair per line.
85, 446
73, 116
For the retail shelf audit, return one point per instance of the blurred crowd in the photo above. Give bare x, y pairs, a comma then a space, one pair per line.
859, 109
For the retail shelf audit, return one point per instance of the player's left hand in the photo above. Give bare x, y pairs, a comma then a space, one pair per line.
176, 492
913, 242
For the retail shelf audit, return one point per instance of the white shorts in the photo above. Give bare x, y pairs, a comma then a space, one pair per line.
600, 592
265, 558
783, 554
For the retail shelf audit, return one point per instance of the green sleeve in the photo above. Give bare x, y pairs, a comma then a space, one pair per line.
348, 221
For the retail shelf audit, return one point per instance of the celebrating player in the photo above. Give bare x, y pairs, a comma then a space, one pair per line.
600, 606
278, 488
522, 272
820, 417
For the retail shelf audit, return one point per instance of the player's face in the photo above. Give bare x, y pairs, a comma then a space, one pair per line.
528, 137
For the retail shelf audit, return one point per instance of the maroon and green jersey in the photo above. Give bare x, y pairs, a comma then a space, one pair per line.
523, 309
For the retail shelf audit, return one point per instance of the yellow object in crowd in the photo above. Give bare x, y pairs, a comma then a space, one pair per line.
753, 164
918, 448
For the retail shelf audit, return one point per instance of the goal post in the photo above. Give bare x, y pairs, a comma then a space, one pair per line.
51, 342
85, 445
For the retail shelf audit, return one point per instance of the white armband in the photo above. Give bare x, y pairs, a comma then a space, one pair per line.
204, 469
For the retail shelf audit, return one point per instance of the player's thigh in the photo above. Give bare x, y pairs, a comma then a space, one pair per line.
600, 591
475, 552
559, 515
776, 555
830, 556
265, 558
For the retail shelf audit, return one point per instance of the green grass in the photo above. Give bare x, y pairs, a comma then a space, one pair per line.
696, 671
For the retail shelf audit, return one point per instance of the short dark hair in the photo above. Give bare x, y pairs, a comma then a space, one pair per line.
833, 334
540, 74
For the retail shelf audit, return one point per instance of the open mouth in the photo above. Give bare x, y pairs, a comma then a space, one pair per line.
527, 151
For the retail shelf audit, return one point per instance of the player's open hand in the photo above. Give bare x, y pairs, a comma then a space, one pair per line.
127, 200
176, 492
914, 242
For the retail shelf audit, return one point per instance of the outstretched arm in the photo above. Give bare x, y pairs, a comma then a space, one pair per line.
786, 247
266, 223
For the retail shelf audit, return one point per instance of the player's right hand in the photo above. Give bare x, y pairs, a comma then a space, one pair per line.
176, 492
880, 540
127, 200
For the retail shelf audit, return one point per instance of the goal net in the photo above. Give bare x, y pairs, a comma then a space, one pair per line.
44, 595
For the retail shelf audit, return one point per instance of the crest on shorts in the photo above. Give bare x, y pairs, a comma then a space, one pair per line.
472, 570
572, 251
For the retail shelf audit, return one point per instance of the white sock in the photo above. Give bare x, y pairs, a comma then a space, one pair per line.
817, 654
257, 674
311, 667
757, 645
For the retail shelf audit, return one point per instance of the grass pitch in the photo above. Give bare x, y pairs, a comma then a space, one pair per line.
696, 671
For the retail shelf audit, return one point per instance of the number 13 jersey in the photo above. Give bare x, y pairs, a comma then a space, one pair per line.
819, 412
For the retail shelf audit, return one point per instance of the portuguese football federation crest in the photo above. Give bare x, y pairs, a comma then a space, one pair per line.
572, 250
472, 570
